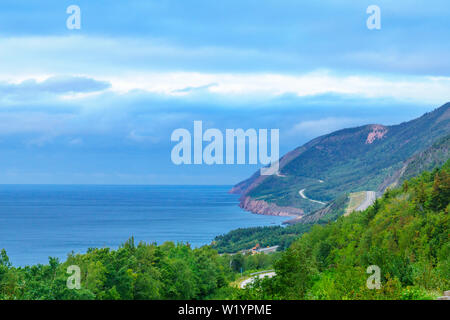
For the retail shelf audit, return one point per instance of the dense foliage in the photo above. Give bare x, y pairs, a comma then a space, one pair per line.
431, 158
246, 238
405, 233
143, 271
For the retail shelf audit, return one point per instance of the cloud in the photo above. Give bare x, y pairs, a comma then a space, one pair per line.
226, 87
94, 55
104, 99
71, 84
195, 89
260, 86
130, 133
54, 85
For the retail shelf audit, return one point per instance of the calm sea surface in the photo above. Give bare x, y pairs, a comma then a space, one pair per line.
38, 221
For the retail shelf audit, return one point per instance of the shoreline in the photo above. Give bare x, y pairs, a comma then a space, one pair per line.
262, 207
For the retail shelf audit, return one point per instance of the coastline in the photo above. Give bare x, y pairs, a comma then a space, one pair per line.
265, 208
75, 218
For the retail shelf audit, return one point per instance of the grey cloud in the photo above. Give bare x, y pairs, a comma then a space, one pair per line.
195, 89
55, 85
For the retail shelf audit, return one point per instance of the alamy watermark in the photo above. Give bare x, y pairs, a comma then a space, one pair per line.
74, 20
74, 280
213, 152
374, 20
374, 281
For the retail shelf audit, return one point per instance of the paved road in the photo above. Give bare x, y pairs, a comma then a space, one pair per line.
260, 275
302, 194
370, 199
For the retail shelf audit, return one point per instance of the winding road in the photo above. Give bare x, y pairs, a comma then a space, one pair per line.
302, 194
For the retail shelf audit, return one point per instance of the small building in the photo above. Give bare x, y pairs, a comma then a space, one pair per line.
255, 248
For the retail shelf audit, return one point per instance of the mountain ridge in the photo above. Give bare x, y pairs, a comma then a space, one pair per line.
347, 160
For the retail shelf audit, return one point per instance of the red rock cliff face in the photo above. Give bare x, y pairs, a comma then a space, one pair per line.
263, 207
378, 132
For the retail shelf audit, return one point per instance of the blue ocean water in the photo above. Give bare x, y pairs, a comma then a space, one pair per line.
38, 221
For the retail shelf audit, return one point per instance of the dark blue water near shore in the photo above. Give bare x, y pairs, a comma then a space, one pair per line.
38, 221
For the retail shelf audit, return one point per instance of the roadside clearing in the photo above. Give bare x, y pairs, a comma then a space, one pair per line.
360, 201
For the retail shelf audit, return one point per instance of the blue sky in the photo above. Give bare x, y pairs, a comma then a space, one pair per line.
98, 105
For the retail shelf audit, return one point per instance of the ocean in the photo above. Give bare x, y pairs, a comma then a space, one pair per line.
41, 221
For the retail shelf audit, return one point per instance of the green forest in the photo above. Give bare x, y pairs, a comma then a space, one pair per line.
405, 233
245, 238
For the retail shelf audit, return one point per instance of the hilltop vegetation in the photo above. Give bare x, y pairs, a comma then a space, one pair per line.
142, 271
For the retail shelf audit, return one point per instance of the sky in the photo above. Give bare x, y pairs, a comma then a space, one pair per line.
97, 105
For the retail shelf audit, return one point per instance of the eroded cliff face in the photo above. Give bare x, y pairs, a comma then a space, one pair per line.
377, 132
266, 208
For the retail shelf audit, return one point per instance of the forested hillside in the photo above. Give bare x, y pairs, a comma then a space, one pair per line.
348, 160
246, 238
405, 234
